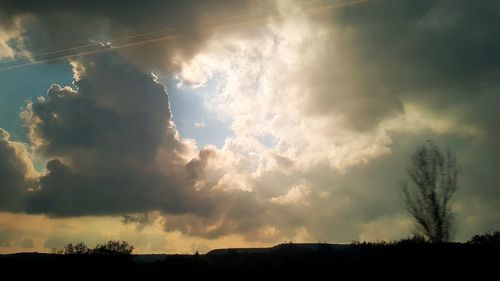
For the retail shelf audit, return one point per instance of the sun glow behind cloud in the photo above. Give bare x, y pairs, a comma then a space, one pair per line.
264, 85
263, 90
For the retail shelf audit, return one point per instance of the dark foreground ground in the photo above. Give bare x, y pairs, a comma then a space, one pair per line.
291, 261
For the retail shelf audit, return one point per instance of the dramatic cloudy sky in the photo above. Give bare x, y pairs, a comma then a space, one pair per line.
191, 125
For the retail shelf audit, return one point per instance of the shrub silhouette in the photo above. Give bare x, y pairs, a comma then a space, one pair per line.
413, 240
78, 249
110, 248
490, 238
113, 248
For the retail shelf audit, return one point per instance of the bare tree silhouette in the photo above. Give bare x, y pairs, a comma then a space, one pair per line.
433, 181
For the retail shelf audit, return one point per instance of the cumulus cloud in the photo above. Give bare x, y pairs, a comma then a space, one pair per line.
296, 195
110, 142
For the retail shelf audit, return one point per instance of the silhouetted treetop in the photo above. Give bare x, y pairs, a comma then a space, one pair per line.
489, 238
110, 248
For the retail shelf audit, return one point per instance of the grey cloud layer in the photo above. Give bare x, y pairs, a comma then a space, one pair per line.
169, 28
380, 53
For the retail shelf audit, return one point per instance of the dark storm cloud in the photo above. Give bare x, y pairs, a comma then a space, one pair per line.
111, 145
383, 52
426, 43
16, 173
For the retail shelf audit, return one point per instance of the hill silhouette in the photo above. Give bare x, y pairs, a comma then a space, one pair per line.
406, 259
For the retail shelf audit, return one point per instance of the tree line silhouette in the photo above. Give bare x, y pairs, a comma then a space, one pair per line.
415, 256
110, 248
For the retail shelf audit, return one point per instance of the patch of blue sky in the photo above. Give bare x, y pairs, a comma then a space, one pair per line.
18, 85
192, 118
268, 140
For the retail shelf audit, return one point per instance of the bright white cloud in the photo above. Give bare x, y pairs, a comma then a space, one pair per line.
296, 195
263, 87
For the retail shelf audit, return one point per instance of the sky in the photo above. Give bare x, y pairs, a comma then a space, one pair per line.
184, 126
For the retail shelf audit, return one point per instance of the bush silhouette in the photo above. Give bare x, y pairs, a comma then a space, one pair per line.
110, 248
413, 240
113, 248
489, 238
